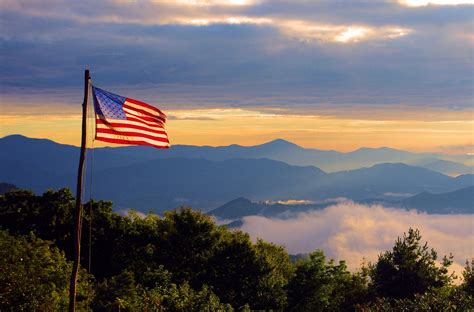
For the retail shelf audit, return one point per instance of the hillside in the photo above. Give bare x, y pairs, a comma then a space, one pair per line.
459, 201
136, 181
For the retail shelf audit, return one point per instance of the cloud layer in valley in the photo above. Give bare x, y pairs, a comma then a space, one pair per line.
352, 232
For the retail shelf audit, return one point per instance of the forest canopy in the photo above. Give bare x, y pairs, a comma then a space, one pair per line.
183, 261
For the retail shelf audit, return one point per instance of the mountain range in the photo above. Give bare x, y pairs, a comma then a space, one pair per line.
458, 201
206, 177
327, 160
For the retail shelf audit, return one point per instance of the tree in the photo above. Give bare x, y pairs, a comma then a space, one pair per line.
122, 293
35, 276
447, 298
324, 286
274, 272
48, 216
185, 243
409, 269
233, 269
116, 293
468, 278
180, 298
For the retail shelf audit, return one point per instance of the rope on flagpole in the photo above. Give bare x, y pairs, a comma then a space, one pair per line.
90, 204
92, 125
84, 170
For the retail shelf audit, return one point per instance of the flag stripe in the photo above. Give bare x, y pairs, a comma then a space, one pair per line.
105, 129
145, 105
134, 142
130, 124
120, 136
135, 114
122, 120
134, 121
144, 110
151, 124
142, 113
128, 135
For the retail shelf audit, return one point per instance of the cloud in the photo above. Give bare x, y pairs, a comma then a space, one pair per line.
310, 31
277, 54
230, 20
352, 232
212, 2
419, 3
292, 202
400, 195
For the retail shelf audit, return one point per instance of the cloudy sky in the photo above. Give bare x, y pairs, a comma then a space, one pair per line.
329, 74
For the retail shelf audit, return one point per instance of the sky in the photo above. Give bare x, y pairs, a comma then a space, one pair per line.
327, 74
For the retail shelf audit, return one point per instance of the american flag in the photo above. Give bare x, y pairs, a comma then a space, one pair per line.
127, 121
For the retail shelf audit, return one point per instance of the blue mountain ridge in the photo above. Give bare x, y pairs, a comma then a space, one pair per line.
458, 201
137, 180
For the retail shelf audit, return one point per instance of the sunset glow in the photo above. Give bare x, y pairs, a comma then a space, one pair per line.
217, 127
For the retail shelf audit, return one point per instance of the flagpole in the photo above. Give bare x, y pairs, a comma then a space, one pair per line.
78, 207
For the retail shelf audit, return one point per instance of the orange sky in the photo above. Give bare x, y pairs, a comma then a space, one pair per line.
395, 73
402, 128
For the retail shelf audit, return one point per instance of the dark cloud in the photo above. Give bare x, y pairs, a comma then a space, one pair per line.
49, 45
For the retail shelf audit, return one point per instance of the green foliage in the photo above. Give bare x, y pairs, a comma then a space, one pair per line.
184, 262
48, 216
233, 269
186, 242
274, 271
180, 298
319, 285
35, 276
112, 245
116, 293
468, 278
447, 298
122, 293
409, 269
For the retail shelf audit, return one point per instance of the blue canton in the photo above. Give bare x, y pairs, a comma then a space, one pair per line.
108, 104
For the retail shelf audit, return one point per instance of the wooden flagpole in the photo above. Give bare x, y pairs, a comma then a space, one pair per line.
78, 208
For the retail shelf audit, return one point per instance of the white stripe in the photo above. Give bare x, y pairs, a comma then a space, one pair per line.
136, 123
131, 138
131, 113
135, 113
137, 106
158, 135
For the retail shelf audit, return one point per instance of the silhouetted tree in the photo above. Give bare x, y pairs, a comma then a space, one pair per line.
468, 278
409, 269
319, 285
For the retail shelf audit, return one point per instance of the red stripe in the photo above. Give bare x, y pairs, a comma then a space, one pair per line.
147, 114
132, 134
147, 118
145, 105
153, 122
135, 142
126, 125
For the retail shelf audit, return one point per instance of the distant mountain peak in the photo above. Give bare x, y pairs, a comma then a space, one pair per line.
281, 143
19, 137
14, 136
